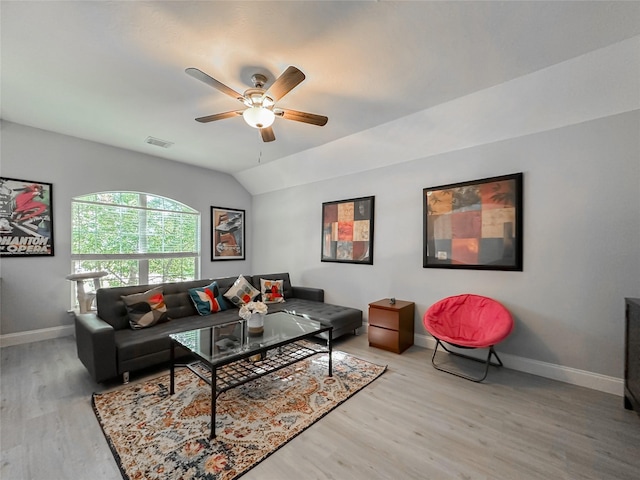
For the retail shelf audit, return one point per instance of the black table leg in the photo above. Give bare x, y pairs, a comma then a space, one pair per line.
213, 403
172, 361
330, 342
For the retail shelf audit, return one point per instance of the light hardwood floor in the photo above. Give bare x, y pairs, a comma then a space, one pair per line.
412, 423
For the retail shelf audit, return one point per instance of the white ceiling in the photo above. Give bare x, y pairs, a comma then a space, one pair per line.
113, 71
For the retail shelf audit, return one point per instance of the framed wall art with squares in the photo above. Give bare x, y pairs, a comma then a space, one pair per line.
474, 225
347, 231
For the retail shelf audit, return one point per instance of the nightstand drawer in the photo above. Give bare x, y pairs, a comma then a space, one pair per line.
385, 339
383, 318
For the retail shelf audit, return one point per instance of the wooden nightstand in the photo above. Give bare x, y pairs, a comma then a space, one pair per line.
391, 326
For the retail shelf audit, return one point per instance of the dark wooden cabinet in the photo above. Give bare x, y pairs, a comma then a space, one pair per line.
632, 355
391, 325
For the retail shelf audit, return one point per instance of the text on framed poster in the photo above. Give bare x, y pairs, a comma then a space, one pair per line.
26, 218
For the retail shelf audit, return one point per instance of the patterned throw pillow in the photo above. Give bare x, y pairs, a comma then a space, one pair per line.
241, 292
146, 309
207, 300
272, 290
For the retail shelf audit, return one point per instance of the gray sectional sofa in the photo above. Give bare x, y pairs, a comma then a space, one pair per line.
108, 346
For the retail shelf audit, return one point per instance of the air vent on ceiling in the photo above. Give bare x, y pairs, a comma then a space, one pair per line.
158, 143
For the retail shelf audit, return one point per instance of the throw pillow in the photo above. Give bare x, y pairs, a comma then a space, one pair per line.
146, 309
241, 292
207, 299
272, 290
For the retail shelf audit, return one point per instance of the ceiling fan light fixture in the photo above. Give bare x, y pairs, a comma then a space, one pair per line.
260, 103
258, 117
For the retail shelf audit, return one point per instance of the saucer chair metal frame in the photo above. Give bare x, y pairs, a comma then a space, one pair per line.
468, 321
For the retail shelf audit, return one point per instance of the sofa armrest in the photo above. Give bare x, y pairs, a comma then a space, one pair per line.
95, 342
309, 293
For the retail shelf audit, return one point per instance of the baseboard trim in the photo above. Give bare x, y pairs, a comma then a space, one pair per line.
582, 378
35, 335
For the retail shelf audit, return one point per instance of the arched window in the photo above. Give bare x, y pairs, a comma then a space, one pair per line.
138, 238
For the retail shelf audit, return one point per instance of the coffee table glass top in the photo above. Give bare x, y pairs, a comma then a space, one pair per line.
221, 342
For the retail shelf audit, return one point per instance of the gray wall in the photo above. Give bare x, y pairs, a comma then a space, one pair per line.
35, 294
581, 239
581, 245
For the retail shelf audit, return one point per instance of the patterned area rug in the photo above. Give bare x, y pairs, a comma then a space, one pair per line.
154, 435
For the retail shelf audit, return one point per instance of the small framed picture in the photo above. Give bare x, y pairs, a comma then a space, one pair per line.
474, 225
347, 231
227, 234
26, 218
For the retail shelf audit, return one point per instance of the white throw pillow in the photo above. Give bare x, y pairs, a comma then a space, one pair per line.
241, 292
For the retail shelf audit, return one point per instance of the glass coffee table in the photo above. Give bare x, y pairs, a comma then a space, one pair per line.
228, 356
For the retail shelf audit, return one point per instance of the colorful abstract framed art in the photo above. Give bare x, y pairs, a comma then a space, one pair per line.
26, 218
347, 231
227, 234
474, 225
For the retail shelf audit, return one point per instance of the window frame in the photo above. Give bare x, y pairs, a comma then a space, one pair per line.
142, 258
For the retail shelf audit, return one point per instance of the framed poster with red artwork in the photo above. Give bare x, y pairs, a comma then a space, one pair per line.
474, 225
347, 231
227, 234
26, 218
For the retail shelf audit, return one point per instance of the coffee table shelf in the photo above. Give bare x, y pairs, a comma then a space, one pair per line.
245, 370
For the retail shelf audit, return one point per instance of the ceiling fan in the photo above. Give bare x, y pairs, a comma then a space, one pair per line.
260, 102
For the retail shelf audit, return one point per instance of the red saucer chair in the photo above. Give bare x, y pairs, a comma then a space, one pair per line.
468, 321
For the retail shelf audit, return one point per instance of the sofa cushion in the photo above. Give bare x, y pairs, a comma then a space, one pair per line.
271, 290
340, 318
112, 309
146, 309
241, 292
207, 300
132, 344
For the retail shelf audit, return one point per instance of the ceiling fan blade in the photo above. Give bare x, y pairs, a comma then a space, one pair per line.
212, 82
286, 82
304, 117
267, 134
218, 116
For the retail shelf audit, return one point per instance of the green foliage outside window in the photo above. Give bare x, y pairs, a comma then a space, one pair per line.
136, 237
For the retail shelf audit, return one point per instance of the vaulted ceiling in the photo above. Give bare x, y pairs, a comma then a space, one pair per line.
114, 72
